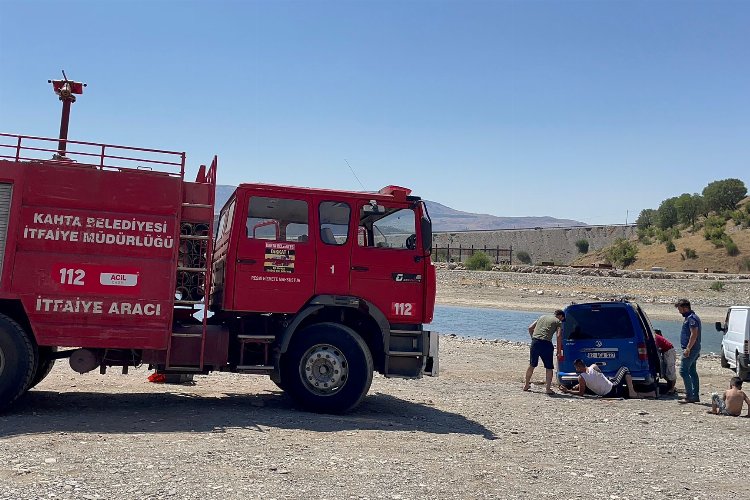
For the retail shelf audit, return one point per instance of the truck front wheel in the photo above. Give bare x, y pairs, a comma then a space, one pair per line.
327, 369
17, 361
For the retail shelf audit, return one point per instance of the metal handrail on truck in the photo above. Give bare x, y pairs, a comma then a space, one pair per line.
91, 154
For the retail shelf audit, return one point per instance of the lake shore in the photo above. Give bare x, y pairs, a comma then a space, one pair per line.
547, 292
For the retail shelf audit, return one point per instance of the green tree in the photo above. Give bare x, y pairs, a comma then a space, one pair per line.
666, 214
724, 195
622, 252
689, 207
582, 246
646, 218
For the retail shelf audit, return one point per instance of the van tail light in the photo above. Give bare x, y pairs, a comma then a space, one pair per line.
747, 349
642, 352
561, 354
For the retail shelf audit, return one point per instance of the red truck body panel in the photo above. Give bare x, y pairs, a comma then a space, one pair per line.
91, 254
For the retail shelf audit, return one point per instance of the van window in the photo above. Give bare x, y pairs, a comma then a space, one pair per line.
597, 323
737, 320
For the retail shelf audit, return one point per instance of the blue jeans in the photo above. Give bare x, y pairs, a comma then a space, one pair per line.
689, 374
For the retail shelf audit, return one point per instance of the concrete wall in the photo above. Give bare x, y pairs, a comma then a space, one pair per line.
543, 245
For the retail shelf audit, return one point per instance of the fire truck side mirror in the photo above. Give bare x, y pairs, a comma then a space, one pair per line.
426, 227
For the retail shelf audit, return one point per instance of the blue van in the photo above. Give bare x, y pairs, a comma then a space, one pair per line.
610, 334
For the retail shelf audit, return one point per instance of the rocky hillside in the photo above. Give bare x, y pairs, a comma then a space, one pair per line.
707, 255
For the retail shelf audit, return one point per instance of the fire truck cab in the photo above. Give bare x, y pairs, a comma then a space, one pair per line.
341, 282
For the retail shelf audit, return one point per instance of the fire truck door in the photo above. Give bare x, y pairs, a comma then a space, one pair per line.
388, 263
333, 242
275, 259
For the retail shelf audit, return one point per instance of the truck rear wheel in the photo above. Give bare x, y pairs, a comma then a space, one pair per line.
17, 361
742, 373
327, 369
44, 365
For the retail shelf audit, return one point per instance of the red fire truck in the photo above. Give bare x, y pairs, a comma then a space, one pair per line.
110, 259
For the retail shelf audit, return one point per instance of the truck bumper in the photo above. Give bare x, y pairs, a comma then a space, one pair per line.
432, 366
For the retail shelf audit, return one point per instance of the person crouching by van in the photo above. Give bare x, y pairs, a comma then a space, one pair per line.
668, 360
730, 403
592, 378
541, 331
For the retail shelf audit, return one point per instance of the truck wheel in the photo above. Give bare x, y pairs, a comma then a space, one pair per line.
43, 366
742, 373
17, 361
724, 362
328, 368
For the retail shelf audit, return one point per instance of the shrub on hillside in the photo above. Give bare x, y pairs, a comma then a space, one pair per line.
479, 261
717, 286
690, 253
745, 264
524, 257
713, 229
670, 246
622, 252
664, 235
732, 249
582, 246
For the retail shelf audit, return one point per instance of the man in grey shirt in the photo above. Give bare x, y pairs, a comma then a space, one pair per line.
541, 332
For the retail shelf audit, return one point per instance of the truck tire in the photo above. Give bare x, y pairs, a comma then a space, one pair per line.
327, 369
44, 365
742, 373
724, 362
18, 356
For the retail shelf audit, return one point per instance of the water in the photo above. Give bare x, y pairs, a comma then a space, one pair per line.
484, 323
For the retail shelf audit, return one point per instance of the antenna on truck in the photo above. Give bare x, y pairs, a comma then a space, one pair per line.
355, 175
66, 91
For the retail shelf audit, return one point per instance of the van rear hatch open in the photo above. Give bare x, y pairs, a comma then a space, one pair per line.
609, 334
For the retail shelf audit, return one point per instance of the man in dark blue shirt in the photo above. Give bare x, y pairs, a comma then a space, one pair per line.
690, 341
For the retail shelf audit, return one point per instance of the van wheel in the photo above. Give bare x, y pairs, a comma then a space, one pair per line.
17, 361
724, 362
328, 368
742, 373
43, 366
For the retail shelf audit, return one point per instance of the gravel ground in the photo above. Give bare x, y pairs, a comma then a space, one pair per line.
470, 433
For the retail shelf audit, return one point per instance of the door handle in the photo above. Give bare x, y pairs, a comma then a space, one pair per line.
418, 258
360, 268
246, 261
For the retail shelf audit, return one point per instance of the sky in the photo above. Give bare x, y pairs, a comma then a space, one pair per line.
585, 110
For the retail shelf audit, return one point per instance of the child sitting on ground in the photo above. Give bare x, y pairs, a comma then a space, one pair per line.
730, 403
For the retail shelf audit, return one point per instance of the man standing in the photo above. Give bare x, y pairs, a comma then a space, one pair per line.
541, 332
690, 341
668, 360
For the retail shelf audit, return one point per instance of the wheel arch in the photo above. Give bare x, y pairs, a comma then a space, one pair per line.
358, 314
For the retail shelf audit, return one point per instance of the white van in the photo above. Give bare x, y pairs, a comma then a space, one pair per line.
735, 351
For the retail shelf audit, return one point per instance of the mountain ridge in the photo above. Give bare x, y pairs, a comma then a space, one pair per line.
445, 218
